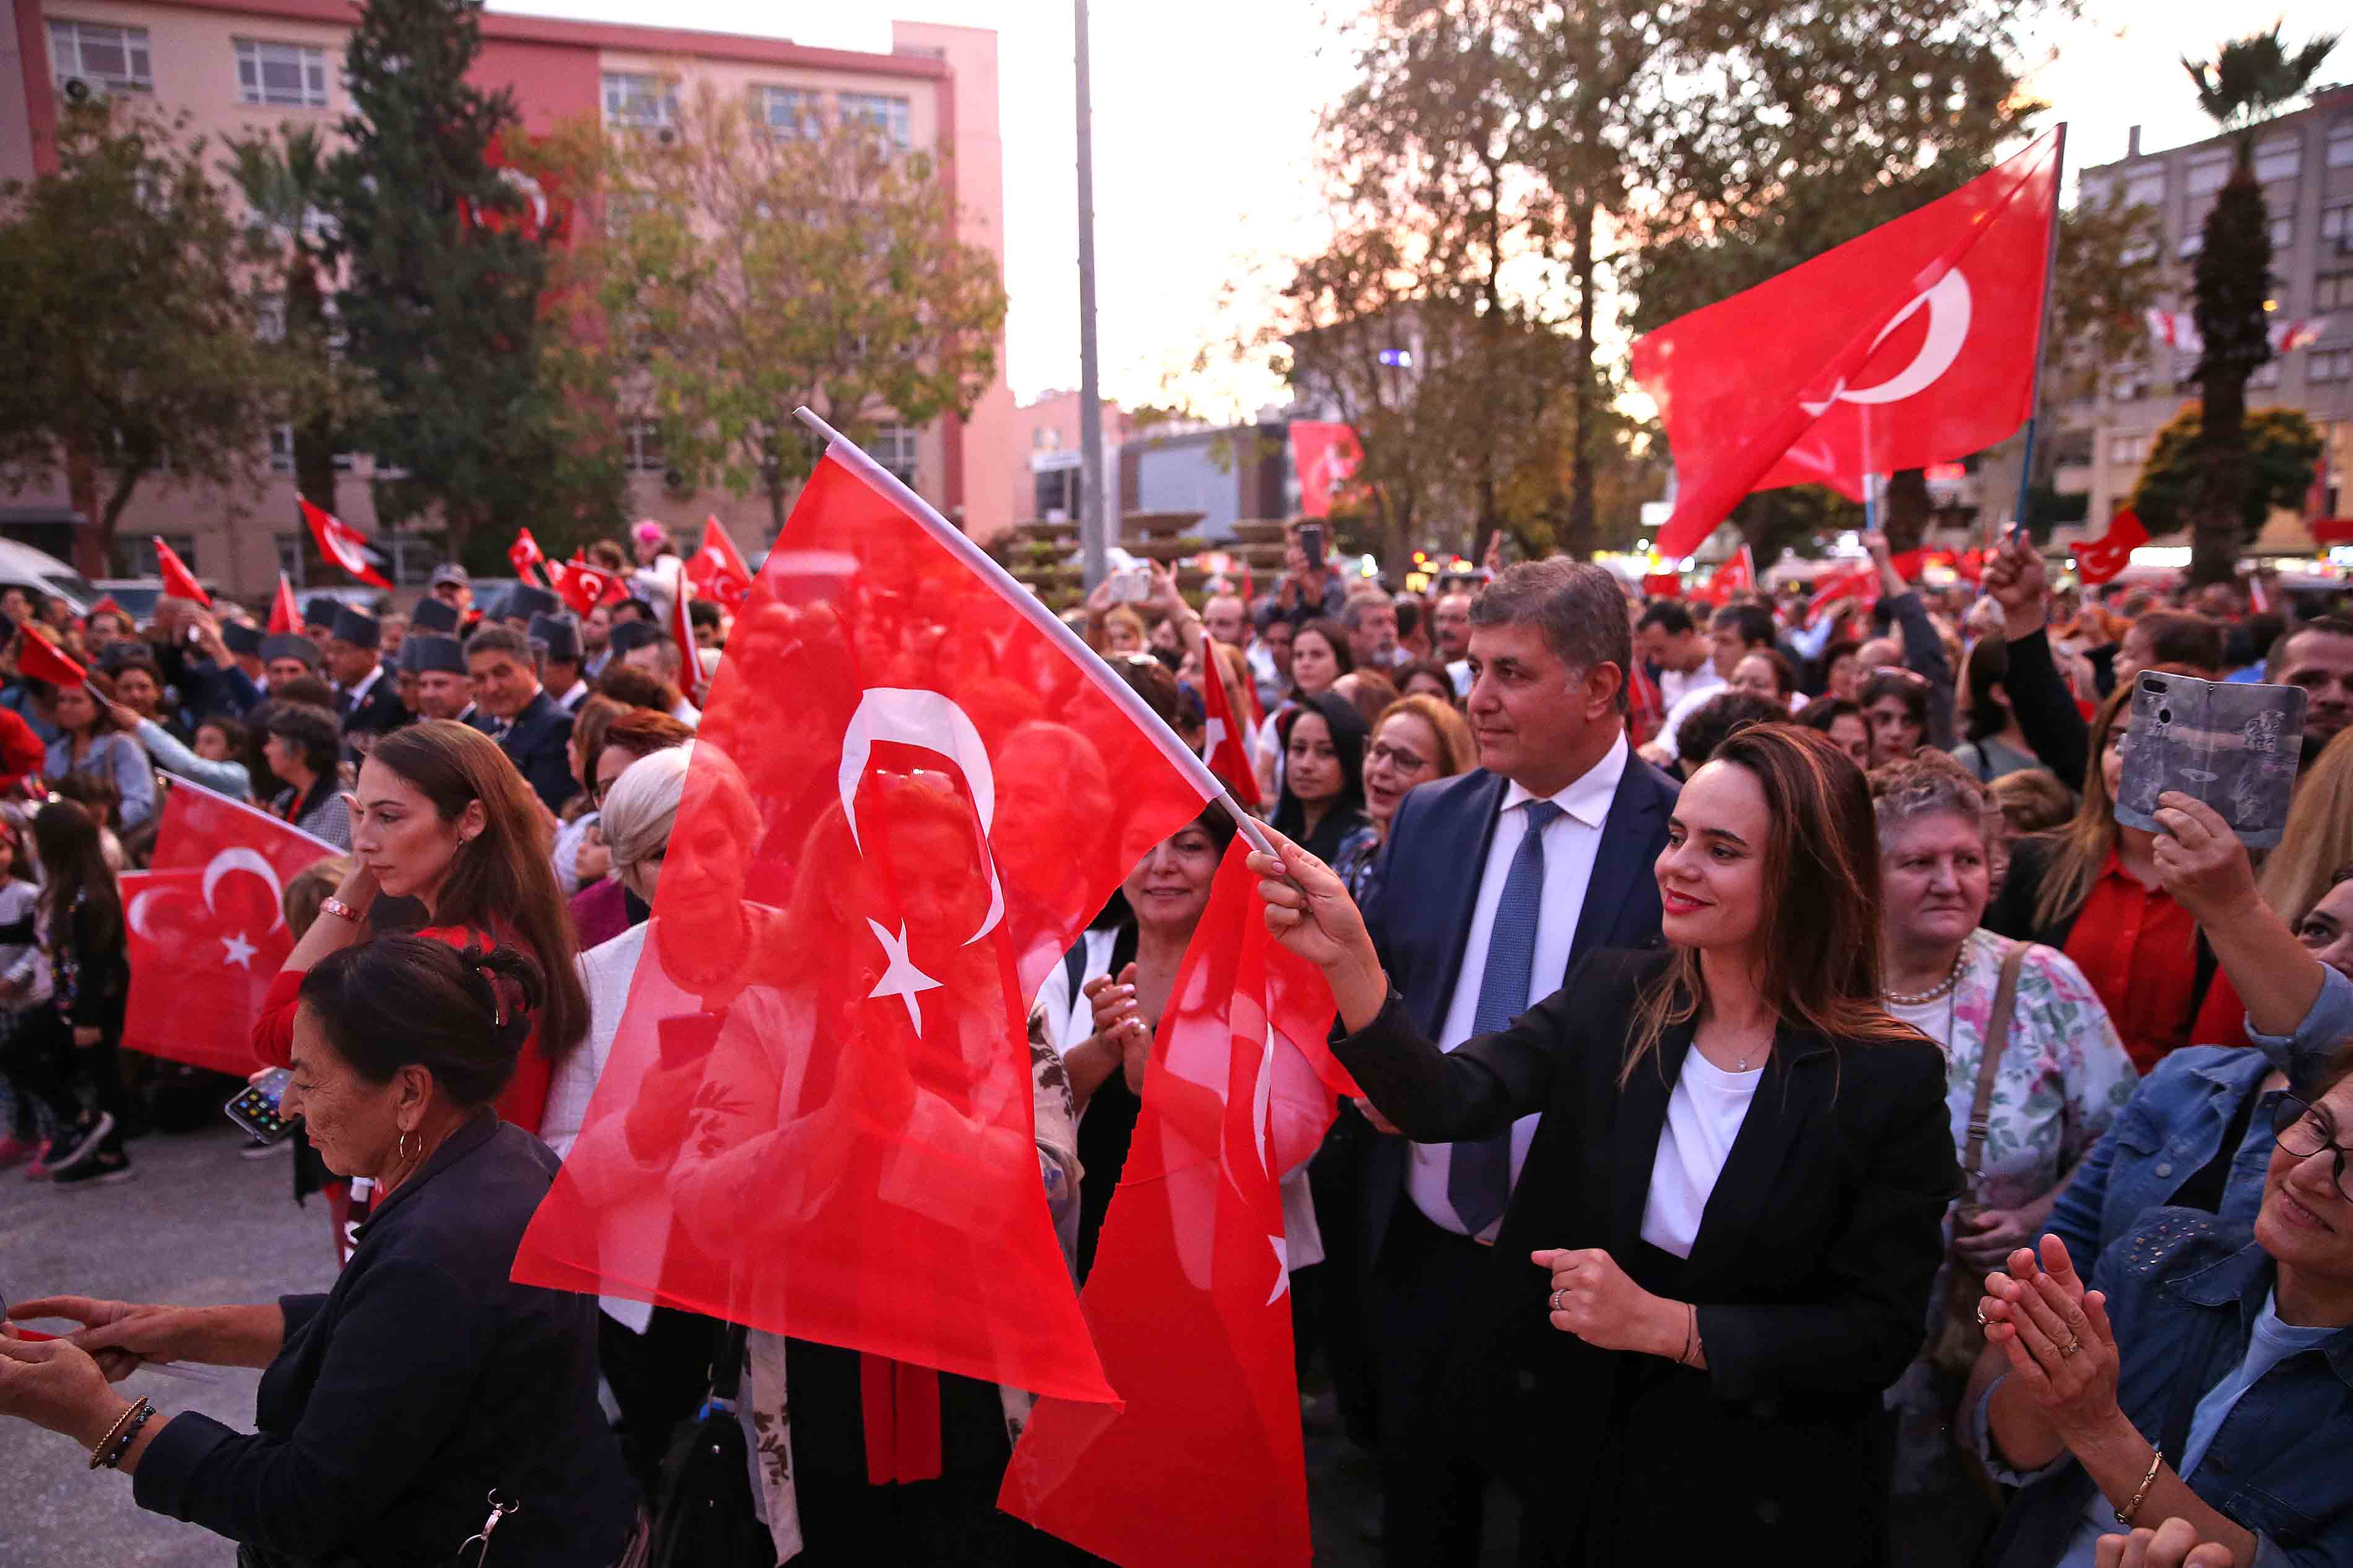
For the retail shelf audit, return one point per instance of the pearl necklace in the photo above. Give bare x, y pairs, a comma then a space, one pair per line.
1918, 998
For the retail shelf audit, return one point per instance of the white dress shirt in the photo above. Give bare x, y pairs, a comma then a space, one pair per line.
359, 693
1571, 841
1704, 1117
1681, 709
1674, 685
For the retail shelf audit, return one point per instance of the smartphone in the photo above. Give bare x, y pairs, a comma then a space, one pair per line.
1132, 586
2232, 745
255, 1107
687, 1038
1310, 544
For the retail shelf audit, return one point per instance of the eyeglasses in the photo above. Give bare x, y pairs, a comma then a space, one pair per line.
1396, 757
2304, 1130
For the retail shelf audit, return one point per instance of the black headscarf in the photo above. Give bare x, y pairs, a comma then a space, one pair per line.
1345, 813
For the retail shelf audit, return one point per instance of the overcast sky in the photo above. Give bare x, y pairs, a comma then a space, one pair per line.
1205, 115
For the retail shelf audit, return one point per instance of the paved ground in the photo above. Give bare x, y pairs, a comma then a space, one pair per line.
198, 1224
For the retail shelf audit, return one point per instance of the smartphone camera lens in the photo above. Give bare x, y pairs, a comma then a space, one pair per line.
2165, 715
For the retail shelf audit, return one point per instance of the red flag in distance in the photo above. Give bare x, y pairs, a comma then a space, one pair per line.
525, 553
1327, 455
342, 544
179, 582
285, 612
717, 570
1223, 745
41, 659
2098, 560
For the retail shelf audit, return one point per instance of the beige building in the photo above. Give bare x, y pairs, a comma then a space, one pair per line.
238, 67
2304, 161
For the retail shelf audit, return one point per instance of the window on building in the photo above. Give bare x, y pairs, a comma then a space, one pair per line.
284, 75
884, 111
2279, 158
2127, 386
2332, 291
2336, 224
2283, 232
2341, 147
281, 449
894, 448
2329, 365
2139, 251
641, 449
2191, 244
639, 99
269, 319
2146, 189
2127, 446
2266, 374
137, 552
112, 58
786, 111
2209, 173
289, 554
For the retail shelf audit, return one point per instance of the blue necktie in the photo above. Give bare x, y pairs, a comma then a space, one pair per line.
1478, 1177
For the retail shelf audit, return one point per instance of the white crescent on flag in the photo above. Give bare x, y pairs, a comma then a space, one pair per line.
1948, 305
916, 717
238, 857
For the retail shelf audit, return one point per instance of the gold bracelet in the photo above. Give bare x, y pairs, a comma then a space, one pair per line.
1691, 1333
98, 1455
2155, 1463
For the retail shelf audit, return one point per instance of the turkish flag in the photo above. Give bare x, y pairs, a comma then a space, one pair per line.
1326, 456
38, 659
1663, 584
525, 553
716, 570
681, 634
1913, 344
208, 927
344, 546
1222, 746
584, 586
911, 791
1737, 575
2100, 558
1189, 1298
179, 582
1852, 583
285, 613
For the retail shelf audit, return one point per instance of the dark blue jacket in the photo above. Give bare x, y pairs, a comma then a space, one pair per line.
423, 1380
2183, 1291
539, 742
1429, 882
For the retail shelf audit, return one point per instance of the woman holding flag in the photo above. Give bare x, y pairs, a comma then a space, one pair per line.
1720, 1251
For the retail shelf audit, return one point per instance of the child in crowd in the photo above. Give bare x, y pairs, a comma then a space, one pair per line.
19, 888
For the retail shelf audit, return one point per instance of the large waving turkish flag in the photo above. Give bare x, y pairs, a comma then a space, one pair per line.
911, 789
208, 929
717, 570
1913, 344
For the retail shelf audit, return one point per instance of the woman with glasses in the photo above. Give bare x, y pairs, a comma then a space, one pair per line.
2204, 1377
1418, 739
606, 907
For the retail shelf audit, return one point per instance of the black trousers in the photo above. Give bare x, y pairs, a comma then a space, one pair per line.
1433, 1497
659, 1378
47, 1065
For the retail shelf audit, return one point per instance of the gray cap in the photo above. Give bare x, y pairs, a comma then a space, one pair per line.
319, 610
287, 645
433, 616
559, 635
627, 635
357, 628
421, 651
241, 638
525, 601
450, 571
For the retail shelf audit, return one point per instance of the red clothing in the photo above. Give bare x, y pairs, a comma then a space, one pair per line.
523, 1101
22, 755
2222, 1021
2139, 950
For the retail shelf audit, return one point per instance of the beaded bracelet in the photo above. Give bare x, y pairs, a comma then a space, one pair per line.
111, 1448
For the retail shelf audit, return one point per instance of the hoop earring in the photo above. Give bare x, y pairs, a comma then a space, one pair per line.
403, 1149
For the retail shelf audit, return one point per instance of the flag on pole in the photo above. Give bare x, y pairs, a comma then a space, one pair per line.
208, 927
525, 554
1737, 575
1327, 455
285, 612
1662, 584
583, 586
38, 659
681, 634
344, 546
179, 582
1189, 1298
2099, 559
1223, 746
717, 570
1913, 344
1860, 583
911, 791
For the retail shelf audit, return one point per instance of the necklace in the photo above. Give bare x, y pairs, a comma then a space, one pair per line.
1941, 988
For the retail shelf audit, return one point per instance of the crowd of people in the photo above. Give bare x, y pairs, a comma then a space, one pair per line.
1799, 1116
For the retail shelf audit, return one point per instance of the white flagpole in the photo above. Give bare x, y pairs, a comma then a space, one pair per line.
954, 540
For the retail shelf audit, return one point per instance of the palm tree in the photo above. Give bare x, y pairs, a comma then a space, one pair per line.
2248, 80
284, 184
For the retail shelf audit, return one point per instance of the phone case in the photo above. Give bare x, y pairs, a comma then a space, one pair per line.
254, 1108
2232, 745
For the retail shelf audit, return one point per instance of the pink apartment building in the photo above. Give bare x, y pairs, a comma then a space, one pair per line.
238, 67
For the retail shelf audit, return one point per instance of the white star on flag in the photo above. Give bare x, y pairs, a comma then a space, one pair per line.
900, 978
240, 952
1212, 737
1281, 1269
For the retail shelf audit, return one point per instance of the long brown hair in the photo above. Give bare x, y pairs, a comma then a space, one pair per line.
2318, 839
1818, 932
2081, 846
503, 880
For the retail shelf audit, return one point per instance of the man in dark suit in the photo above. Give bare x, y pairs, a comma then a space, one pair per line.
557, 640
366, 692
521, 716
1494, 884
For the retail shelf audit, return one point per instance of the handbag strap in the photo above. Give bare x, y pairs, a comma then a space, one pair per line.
727, 1368
1996, 1040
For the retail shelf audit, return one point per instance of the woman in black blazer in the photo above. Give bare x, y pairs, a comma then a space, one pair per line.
1720, 1251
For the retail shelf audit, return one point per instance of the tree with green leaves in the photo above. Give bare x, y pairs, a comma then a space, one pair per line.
124, 307
753, 262
445, 265
2281, 447
283, 179
2248, 81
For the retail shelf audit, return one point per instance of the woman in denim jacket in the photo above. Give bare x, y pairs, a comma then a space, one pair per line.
2197, 1132
2208, 1378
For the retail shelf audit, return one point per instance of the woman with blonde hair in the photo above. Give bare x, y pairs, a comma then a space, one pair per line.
1416, 739
2091, 889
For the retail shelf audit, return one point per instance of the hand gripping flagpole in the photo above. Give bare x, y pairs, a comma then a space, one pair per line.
953, 539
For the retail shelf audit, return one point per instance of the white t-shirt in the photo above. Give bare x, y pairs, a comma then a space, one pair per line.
1704, 1116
